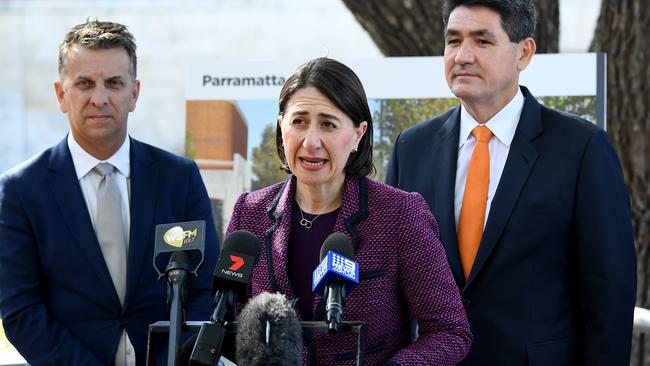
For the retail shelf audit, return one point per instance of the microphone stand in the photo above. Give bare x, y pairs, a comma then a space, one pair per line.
176, 276
207, 349
335, 300
345, 326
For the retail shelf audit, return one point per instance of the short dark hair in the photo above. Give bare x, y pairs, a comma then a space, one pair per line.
343, 88
98, 35
518, 17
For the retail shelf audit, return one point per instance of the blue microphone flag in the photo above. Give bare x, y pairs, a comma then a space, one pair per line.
335, 267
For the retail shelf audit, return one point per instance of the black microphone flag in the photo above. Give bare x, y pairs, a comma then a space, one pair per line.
188, 237
239, 253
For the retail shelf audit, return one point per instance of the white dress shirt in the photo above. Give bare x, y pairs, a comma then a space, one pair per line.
503, 126
89, 182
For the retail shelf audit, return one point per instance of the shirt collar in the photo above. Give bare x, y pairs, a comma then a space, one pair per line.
502, 125
84, 162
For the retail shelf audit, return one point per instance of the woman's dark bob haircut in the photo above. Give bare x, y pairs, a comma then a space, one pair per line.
343, 88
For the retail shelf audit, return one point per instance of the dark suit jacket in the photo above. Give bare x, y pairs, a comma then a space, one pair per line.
57, 299
403, 273
554, 279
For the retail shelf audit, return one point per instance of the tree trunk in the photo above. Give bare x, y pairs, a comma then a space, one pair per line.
621, 31
547, 33
414, 27
402, 27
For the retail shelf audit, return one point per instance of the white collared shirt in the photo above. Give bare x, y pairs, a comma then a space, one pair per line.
89, 183
503, 126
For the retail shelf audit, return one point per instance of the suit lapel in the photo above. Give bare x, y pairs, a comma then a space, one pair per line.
445, 157
354, 209
520, 162
144, 178
277, 238
65, 189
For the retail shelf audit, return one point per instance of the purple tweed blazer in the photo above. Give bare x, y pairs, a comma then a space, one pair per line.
403, 272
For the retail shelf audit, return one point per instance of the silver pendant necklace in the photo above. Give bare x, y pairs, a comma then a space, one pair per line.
307, 224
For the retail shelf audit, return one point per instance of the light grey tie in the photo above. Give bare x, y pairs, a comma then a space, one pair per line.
109, 227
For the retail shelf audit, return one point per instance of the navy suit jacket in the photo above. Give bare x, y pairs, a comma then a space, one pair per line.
57, 299
554, 279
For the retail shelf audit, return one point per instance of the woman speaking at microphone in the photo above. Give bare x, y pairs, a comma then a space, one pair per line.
324, 140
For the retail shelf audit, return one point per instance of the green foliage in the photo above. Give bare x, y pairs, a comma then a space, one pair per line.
394, 116
190, 150
584, 107
391, 117
265, 162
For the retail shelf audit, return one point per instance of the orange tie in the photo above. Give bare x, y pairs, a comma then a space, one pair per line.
472, 211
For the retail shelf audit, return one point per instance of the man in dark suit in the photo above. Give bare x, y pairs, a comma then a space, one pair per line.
533, 211
77, 286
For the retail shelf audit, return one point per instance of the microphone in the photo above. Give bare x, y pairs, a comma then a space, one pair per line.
183, 243
176, 272
239, 254
268, 332
336, 276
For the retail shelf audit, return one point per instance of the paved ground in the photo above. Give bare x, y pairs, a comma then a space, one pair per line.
9, 356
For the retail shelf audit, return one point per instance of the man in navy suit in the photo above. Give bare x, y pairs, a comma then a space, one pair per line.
66, 296
551, 276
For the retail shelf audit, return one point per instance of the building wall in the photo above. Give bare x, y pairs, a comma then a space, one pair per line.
216, 129
227, 184
217, 141
170, 34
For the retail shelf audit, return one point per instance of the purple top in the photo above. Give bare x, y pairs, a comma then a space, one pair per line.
403, 274
304, 253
